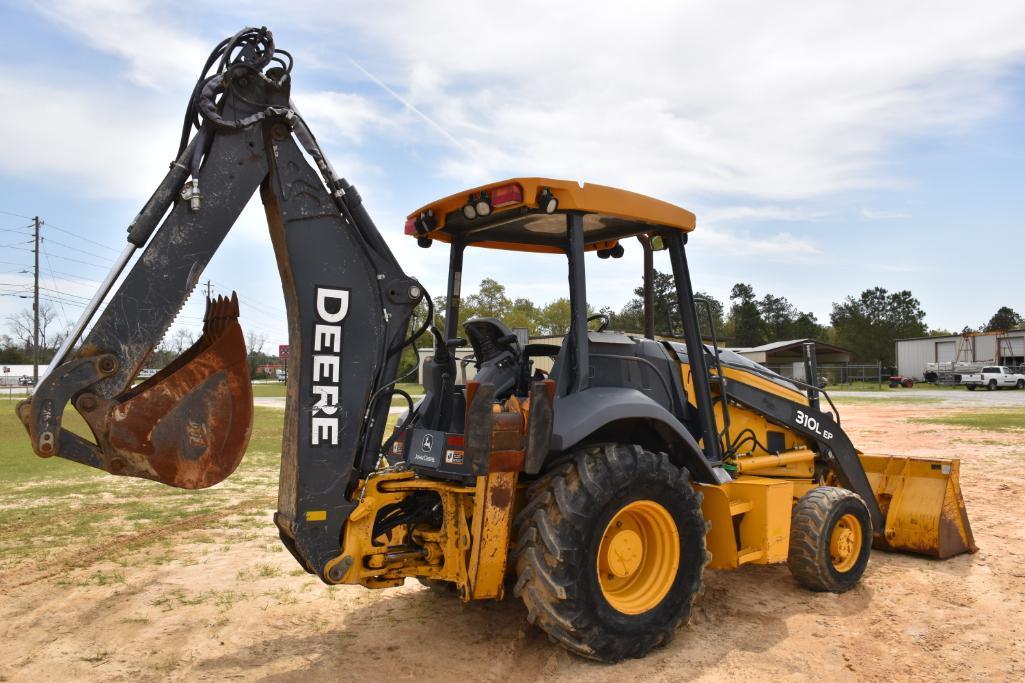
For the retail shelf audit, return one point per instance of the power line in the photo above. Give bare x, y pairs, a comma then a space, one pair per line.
86, 239
10, 213
53, 279
80, 250
86, 263
17, 230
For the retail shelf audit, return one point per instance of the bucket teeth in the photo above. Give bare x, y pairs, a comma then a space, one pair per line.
220, 311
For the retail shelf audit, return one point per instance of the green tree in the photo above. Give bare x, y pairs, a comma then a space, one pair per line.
667, 317
782, 320
555, 317
523, 313
806, 326
778, 315
870, 324
1004, 319
745, 318
490, 301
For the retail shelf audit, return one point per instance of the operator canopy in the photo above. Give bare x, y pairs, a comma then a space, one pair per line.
523, 214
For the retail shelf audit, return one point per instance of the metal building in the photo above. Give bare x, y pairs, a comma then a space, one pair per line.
1005, 347
787, 357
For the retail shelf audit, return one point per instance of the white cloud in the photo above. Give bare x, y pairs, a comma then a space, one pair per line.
781, 247
876, 215
727, 214
100, 144
337, 116
740, 99
144, 34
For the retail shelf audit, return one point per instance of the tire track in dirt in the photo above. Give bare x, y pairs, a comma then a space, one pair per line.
16, 527
119, 544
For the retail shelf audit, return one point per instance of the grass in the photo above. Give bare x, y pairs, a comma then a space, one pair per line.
884, 388
50, 506
866, 401
1007, 420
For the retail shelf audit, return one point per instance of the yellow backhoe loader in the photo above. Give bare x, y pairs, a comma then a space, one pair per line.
597, 494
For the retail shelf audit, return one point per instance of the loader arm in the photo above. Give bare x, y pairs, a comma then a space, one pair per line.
348, 305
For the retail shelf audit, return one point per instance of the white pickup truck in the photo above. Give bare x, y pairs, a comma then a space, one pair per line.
993, 377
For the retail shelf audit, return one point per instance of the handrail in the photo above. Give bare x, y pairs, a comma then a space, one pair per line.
773, 377
724, 434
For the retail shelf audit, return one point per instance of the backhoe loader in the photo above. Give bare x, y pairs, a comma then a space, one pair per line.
597, 494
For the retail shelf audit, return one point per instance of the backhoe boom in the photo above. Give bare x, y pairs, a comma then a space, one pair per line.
348, 304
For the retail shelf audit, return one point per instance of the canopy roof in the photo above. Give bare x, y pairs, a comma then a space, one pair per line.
518, 219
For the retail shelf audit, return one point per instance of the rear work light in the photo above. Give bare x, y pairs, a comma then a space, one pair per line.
422, 224
506, 195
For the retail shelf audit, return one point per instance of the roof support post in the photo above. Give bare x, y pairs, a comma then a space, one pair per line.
675, 241
577, 302
455, 278
649, 287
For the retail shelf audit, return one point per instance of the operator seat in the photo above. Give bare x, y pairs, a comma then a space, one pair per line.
497, 350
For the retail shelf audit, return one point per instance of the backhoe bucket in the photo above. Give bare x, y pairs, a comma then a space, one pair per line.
921, 501
189, 425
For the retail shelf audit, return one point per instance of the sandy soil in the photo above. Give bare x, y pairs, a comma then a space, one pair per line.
213, 596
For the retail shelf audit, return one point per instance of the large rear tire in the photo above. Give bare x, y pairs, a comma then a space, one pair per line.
830, 539
992, 386
610, 552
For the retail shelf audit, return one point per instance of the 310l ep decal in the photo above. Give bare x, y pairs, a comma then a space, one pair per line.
810, 423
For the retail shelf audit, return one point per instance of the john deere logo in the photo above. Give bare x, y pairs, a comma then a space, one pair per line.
428, 443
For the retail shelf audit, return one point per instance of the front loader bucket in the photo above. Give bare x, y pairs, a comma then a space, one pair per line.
189, 425
921, 501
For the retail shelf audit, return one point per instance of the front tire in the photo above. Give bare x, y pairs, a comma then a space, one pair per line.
610, 552
1020, 384
971, 387
992, 386
830, 539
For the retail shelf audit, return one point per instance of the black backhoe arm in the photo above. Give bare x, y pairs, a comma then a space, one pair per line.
347, 300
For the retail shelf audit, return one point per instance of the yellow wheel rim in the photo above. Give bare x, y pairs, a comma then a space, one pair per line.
638, 557
845, 543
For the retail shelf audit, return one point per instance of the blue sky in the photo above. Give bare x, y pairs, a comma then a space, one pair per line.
824, 147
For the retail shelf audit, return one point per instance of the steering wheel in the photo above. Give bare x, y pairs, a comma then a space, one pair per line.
604, 321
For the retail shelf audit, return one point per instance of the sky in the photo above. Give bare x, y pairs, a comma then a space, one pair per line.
825, 147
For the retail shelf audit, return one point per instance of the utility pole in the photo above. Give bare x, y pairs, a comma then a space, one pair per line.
207, 289
35, 308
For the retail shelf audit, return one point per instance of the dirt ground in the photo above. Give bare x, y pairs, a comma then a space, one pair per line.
211, 595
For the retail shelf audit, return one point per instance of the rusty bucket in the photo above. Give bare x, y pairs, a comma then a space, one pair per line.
922, 504
189, 425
